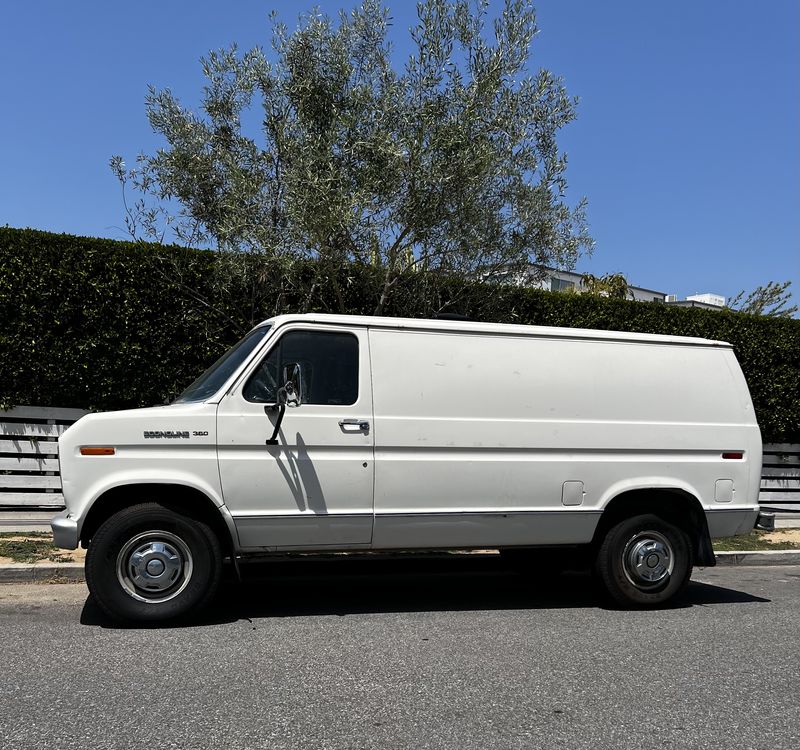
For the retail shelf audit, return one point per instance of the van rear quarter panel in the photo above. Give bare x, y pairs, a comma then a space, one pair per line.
476, 434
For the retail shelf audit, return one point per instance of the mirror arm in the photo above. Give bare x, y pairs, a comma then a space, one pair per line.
287, 396
281, 411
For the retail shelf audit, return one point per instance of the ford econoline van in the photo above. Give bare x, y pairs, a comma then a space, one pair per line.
319, 433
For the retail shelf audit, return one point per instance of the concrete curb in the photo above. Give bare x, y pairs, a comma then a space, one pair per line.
42, 573
74, 572
765, 557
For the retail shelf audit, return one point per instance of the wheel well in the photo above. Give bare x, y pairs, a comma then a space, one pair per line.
188, 500
673, 505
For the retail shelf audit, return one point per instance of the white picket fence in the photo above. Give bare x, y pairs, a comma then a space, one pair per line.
29, 470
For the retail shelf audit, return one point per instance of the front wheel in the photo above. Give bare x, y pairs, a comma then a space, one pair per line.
149, 562
644, 561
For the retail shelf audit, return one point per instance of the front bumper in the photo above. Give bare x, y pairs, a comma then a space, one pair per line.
65, 531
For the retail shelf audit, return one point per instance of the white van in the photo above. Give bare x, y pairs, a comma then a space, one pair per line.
321, 433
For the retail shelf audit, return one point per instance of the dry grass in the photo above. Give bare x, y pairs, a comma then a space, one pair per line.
33, 547
759, 540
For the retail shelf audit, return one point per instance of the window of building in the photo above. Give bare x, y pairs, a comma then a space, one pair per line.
556, 285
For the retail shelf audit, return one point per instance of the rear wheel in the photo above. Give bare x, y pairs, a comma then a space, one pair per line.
150, 562
644, 561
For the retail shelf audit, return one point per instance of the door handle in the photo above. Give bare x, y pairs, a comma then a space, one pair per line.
362, 424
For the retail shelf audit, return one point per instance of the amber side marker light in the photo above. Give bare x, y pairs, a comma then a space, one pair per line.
733, 455
98, 451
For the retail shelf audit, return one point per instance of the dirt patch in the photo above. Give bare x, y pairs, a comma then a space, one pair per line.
38, 549
782, 539
783, 535
64, 556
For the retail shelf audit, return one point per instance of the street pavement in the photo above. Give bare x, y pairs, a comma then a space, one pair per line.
459, 653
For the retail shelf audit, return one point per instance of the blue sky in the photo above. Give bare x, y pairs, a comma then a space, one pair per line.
687, 142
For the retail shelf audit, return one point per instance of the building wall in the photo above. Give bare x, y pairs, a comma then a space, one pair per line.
557, 281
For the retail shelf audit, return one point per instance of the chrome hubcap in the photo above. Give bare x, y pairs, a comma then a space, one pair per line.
154, 567
648, 560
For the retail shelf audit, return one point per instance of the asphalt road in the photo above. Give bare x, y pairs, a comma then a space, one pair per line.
416, 654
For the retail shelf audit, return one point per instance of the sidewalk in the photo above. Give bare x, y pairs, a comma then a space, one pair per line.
787, 520
26, 521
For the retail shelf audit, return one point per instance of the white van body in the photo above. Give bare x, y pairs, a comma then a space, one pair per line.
453, 435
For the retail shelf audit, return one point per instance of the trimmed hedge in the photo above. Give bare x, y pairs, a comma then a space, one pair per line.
102, 324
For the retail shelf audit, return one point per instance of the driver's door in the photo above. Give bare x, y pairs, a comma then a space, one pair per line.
315, 487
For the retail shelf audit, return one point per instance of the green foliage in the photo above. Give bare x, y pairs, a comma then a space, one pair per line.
449, 165
772, 300
102, 324
611, 285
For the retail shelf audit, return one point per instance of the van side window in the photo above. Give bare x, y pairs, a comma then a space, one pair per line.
328, 363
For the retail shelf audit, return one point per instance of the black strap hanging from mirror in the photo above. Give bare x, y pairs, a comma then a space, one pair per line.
287, 394
281, 411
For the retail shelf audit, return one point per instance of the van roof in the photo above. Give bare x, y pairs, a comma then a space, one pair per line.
466, 326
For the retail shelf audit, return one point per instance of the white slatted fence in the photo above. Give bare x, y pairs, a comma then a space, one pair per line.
780, 477
29, 471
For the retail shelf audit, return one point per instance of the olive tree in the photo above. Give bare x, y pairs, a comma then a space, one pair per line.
613, 285
773, 300
321, 148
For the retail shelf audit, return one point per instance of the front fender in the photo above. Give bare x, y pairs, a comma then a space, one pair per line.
70, 524
142, 476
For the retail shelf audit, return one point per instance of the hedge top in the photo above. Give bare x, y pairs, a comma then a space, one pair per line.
102, 324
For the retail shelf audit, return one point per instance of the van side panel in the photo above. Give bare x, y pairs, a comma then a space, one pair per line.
476, 435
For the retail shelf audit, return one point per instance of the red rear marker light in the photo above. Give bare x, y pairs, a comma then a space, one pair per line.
733, 454
98, 451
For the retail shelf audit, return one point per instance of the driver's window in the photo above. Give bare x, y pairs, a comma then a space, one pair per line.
328, 364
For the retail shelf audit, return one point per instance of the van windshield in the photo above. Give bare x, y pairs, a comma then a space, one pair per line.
215, 376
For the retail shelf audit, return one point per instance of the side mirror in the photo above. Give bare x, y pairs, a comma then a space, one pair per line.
291, 392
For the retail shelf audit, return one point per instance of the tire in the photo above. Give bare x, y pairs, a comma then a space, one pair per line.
644, 561
150, 563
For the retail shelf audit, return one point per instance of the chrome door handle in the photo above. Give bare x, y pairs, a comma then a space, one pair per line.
362, 424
